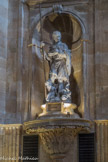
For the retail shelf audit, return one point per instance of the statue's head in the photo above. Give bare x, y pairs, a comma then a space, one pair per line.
56, 36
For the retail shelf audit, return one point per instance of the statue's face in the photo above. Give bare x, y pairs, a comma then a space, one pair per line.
56, 36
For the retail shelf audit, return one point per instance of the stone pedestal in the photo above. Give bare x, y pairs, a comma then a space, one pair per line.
57, 127
58, 109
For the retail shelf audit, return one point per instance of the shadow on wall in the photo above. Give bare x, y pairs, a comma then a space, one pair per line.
75, 90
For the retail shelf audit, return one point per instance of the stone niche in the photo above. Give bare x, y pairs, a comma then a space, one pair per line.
72, 33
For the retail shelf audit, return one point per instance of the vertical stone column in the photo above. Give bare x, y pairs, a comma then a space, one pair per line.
11, 70
102, 140
23, 63
3, 55
17, 63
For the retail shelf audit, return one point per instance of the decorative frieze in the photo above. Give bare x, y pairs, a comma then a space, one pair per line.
102, 140
10, 142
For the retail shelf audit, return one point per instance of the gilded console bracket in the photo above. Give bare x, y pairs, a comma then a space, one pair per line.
57, 134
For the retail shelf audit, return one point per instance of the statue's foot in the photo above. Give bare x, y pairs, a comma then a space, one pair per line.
55, 99
64, 97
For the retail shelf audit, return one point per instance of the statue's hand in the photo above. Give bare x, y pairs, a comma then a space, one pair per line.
69, 69
46, 56
52, 54
42, 44
62, 56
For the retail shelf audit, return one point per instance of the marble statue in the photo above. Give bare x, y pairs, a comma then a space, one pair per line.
59, 58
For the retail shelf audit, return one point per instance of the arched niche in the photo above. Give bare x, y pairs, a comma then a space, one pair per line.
71, 30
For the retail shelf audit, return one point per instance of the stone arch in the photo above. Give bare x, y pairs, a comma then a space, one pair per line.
49, 11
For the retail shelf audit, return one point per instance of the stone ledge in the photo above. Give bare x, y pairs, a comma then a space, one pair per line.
32, 127
10, 125
101, 121
34, 2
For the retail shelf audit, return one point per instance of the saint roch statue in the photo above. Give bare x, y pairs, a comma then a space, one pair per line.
59, 58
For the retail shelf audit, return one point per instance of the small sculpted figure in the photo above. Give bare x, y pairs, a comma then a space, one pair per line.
52, 88
59, 58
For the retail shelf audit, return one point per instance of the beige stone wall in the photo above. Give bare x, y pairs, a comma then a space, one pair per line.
102, 140
21, 71
17, 95
10, 142
11, 64
101, 58
14, 62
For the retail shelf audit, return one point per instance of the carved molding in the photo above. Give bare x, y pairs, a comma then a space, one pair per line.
101, 121
57, 123
33, 2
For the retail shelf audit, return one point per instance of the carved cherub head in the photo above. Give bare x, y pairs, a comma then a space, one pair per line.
56, 36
